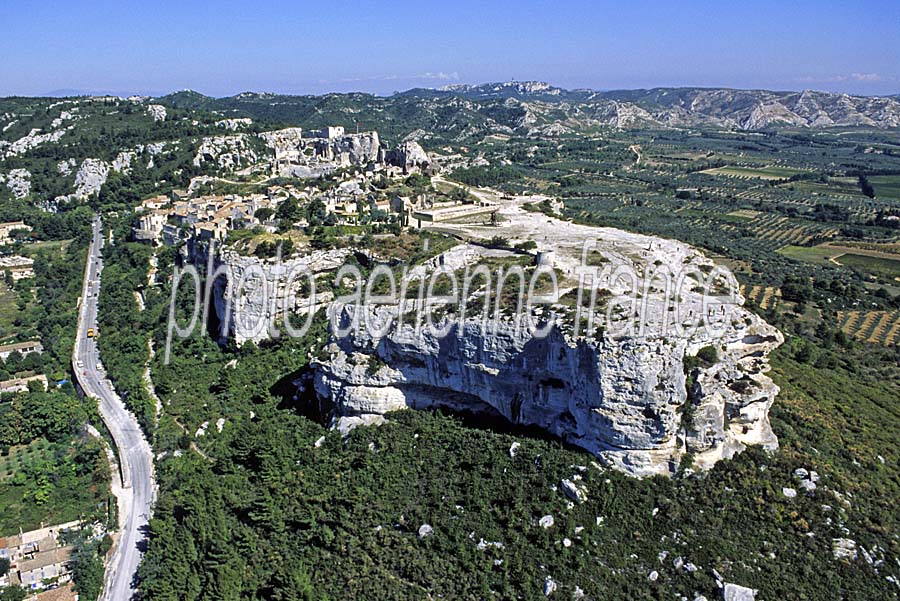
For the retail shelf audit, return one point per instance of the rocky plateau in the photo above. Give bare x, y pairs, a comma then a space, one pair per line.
626, 398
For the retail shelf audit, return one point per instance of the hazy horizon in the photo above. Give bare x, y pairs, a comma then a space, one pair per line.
73, 92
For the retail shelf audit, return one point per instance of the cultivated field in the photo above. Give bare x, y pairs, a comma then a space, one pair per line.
872, 259
764, 297
769, 173
886, 186
873, 327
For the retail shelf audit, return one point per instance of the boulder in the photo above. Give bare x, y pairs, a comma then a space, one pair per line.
550, 586
514, 449
736, 592
576, 491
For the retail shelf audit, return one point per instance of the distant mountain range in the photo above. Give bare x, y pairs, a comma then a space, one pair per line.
463, 111
744, 109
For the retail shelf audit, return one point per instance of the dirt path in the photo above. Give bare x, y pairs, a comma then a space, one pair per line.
636, 149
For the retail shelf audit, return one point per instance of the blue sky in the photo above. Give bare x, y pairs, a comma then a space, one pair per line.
222, 48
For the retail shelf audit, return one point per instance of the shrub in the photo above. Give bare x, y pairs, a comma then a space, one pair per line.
708, 355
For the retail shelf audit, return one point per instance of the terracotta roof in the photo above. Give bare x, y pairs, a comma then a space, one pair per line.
44, 559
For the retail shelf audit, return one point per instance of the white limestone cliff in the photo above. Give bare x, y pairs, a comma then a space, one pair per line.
287, 144
253, 307
157, 111
90, 178
18, 181
234, 124
624, 397
34, 139
227, 152
350, 149
623, 400
408, 154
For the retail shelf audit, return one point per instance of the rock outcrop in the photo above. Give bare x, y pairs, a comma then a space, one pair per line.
18, 181
350, 149
227, 152
157, 111
643, 402
234, 124
262, 290
90, 178
408, 155
623, 400
65, 167
122, 162
34, 139
287, 144
627, 398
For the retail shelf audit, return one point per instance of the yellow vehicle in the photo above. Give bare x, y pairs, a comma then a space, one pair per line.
90, 332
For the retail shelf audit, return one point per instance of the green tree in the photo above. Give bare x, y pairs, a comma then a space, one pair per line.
865, 187
87, 569
289, 210
264, 213
12, 593
316, 212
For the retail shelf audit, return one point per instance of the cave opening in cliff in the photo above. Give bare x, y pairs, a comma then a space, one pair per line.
297, 394
493, 421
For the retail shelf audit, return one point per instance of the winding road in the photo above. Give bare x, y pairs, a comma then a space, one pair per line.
138, 491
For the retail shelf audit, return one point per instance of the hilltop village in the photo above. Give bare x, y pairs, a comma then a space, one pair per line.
349, 180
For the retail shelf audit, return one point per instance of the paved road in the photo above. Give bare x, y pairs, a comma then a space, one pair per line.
135, 456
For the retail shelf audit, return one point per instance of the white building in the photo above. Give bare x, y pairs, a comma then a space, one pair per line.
331, 132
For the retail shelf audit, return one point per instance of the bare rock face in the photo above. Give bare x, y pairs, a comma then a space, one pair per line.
234, 124
34, 139
623, 400
774, 113
261, 290
408, 154
313, 156
19, 182
626, 114
287, 143
625, 397
122, 162
736, 592
227, 152
350, 149
65, 167
90, 178
157, 111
